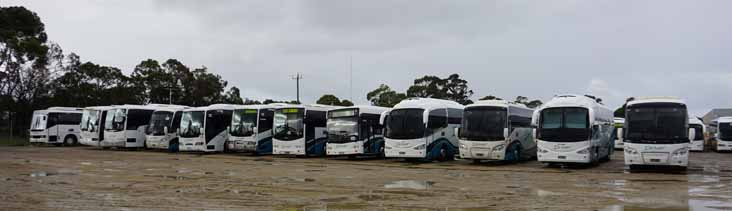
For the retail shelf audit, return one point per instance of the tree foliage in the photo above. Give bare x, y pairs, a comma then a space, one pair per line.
384, 96
451, 88
330, 99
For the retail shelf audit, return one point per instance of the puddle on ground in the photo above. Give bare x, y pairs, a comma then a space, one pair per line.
546, 193
692, 205
292, 179
410, 184
85, 163
40, 174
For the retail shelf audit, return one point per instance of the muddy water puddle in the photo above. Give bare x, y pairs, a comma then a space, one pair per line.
410, 184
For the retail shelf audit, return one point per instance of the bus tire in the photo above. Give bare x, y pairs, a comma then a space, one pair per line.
173, 146
595, 158
606, 158
476, 161
69, 140
442, 156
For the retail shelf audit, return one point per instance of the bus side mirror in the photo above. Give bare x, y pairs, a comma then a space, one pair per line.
200, 131
457, 131
165, 130
505, 132
692, 134
534, 132
254, 129
178, 131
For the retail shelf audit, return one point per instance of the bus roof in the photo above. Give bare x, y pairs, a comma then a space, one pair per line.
314, 107
724, 119
695, 121
496, 103
652, 99
260, 106
368, 109
213, 107
428, 104
598, 112
58, 110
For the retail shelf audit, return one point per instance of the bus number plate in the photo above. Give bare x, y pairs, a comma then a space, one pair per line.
562, 157
401, 153
656, 160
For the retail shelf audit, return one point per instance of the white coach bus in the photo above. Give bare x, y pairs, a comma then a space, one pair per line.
657, 132
300, 130
422, 129
619, 122
355, 130
161, 132
251, 129
724, 134
204, 129
92, 125
496, 130
697, 145
574, 129
56, 125
124, 126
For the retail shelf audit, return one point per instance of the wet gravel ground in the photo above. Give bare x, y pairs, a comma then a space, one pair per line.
82, 178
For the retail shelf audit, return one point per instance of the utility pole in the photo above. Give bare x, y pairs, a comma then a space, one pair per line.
297, 78
351, 76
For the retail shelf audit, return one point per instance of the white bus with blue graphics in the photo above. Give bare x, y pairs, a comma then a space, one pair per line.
56, 125
251, 129
92, 125
574, 129
162, 130
723, 136
355, 130
300, 130
697, 145
497, 130
657, 132
422, 129
124, 126
204, 129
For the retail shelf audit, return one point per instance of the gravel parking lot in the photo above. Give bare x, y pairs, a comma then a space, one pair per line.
92, 179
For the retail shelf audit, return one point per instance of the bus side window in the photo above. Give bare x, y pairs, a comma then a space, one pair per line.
437, 119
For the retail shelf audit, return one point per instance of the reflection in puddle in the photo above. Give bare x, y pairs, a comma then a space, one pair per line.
545, 193
410, 184
39, 174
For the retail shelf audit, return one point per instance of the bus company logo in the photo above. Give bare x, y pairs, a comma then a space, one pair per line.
653, 148
561, 147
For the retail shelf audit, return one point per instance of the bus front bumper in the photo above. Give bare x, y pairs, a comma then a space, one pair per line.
241, 144
157, 142
350, 148
294, 147
483, 150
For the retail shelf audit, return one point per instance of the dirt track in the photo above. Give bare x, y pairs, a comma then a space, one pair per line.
92, 179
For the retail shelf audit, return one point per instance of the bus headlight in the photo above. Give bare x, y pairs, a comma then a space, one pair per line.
387, 147
680, 152
542, 150
584, 151
462, 146
420, 147
499, 147
631, 150
353, 138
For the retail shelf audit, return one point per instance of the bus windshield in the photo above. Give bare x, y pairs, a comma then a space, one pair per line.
39, 123
89, 120
288, 123
656, 124
342, 126
405, 124
191, 123
567, 124
115, 120
158, 122
483, 123
698, 134
243, 122
725, 131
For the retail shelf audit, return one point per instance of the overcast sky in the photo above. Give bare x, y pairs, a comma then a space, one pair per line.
612, 49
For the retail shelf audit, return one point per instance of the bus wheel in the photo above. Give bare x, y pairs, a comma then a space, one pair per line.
443, 154
69, 141
606, 158
476, 161
173, 147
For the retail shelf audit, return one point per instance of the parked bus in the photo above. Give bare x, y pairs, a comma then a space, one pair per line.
251, 129
300, 130
723, 136
422, 129
697, 145
574, 129
619, 122
355, 130
205, 129
124, 126
496, 130
56, 125
657, 132
162, 130
92, 125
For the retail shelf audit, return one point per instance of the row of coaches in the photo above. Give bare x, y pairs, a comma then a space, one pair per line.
567, 129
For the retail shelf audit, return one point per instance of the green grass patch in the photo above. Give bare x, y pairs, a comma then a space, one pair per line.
6, 140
